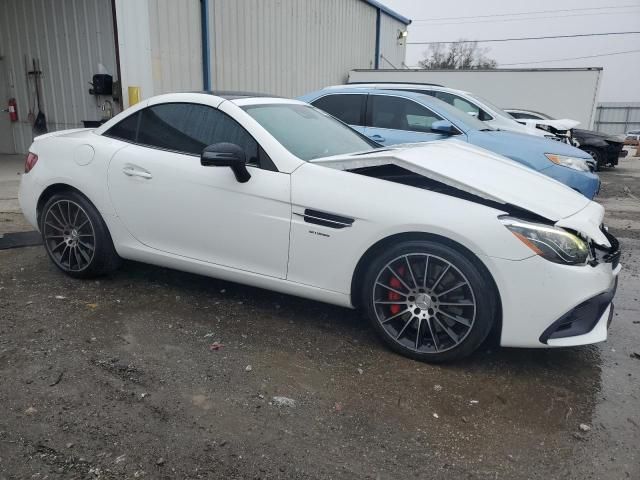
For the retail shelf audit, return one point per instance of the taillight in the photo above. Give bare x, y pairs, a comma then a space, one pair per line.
30, 162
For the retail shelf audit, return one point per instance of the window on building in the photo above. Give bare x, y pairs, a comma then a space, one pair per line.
346, 107
400, 114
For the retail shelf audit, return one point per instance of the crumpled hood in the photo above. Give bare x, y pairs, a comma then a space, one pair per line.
581, 133
487, 175
558, 124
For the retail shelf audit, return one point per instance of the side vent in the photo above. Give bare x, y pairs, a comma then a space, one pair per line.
326, 219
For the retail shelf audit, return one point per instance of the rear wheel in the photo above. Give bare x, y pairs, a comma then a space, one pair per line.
428, 301
75, 236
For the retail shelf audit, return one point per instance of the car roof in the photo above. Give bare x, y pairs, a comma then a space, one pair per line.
212, 98
234, 95
423, 97
366, 89
406, 86
397, 83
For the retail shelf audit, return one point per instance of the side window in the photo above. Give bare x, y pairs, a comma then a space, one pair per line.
345, 107
126, 129
400, 114
431, 93
525, 116
189, 128
459, 103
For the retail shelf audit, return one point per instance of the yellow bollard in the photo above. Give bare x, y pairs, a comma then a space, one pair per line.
134, 95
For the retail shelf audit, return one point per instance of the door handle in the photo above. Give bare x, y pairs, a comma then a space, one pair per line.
133, 172
377, 138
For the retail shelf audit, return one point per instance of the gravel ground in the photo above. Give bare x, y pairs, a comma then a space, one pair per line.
152, 373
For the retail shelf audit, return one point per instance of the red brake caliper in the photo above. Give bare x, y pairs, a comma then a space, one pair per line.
395, 283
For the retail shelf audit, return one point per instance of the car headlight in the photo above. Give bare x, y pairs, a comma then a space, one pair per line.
570, 162
552, 243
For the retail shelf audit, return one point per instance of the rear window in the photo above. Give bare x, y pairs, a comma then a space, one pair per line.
346, 107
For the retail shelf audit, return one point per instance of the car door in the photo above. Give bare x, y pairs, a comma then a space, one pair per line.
347, 107
391, 120
170, 202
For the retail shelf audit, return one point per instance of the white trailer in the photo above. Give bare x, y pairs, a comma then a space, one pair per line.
558, 92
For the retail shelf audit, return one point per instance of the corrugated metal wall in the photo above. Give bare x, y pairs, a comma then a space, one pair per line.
176, 45
70, 37
285, 47
391, 49
160, 44
617, 117
289, 47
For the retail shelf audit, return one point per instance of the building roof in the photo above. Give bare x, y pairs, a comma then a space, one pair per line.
388, 11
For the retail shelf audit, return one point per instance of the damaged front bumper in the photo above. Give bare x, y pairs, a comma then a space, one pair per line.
558, 305
584, 324
588, 322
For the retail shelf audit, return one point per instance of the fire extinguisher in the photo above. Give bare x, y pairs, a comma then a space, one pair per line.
13, 110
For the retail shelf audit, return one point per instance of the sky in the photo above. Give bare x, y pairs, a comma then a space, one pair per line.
494, 19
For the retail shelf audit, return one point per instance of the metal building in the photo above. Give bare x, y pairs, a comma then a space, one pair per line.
283, 47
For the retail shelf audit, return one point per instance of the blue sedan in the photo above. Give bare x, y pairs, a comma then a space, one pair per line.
392, 117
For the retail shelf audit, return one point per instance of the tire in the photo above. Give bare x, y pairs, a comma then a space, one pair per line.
425, 324
598, 157
76, 237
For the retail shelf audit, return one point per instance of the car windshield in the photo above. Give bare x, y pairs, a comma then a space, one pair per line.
307, 132
497, 110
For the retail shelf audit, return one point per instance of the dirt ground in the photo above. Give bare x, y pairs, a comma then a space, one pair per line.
117, 378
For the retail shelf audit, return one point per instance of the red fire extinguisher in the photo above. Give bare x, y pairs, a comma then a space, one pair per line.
13, 110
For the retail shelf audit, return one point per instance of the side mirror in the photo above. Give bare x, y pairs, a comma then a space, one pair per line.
227, 155
445, 127
473, 114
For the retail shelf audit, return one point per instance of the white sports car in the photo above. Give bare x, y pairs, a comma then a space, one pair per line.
437, 243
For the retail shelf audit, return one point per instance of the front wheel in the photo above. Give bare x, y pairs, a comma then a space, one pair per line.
598, 157
75, 236
429, 301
